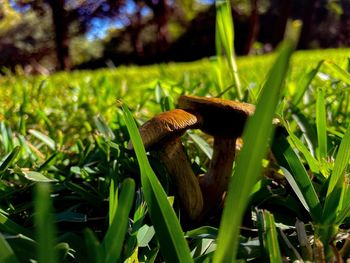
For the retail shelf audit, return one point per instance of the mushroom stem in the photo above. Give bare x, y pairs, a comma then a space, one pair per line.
176, 162
215, 182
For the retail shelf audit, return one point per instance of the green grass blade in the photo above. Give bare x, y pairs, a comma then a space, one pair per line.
291, 181
337, 71
89, 196
321, 125
44, 138
44, 224
225, 38
6, 136
202, 144
309, 132
305, 83
269, 237
93, 248
62, 250
346, 195
103, 127
203, 231
287, 158
7, 225
113, 201
311, 161
335, 187
248, 165
6, 253
168, 230
24, 247
343, 214
9, 159
114, 239
48, 162
37, 177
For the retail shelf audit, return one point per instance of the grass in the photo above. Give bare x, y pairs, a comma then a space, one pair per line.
70, 191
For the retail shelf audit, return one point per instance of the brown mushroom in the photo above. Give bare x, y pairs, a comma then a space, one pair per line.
224, 120
162, 135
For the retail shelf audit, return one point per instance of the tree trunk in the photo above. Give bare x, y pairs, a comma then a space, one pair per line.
136, 28
307, 24
161, 12
345, 23
253, 27
61, 34
284, 9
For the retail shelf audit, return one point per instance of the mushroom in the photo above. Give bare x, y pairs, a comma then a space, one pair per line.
162, 135
224, 120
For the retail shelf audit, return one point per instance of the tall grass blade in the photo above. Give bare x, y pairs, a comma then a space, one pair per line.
287, 158
37, 177
343, 214
202, 144
344, 211
321, 125
45, 228
338, 72
113, 201
291, 181
305, 82
309, 132
6, 253
94, 250
103, 127
10, 158
44, 138
312, 162
333, 202
90, 197
6, 136
24, 247
114, 239
48, 162
248, 166
225, 38
168, 230
9, 226
269, 236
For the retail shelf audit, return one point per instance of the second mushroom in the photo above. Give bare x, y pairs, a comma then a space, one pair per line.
220, 118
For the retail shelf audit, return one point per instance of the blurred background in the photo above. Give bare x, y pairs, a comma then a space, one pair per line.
42, 36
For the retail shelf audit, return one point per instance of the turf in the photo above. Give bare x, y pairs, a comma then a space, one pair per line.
68, 132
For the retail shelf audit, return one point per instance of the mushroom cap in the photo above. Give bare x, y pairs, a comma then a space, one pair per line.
220, 117
165, 126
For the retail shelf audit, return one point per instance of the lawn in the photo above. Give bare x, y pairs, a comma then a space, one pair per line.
72, 191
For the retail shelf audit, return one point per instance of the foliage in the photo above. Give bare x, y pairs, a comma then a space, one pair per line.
9, 16
27, 39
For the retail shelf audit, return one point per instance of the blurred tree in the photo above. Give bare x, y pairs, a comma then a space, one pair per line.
148, 31
27, 41
65, 13
60, 23
151, 30
307, 17
345, 21
161, 11
128, 12
8, 16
